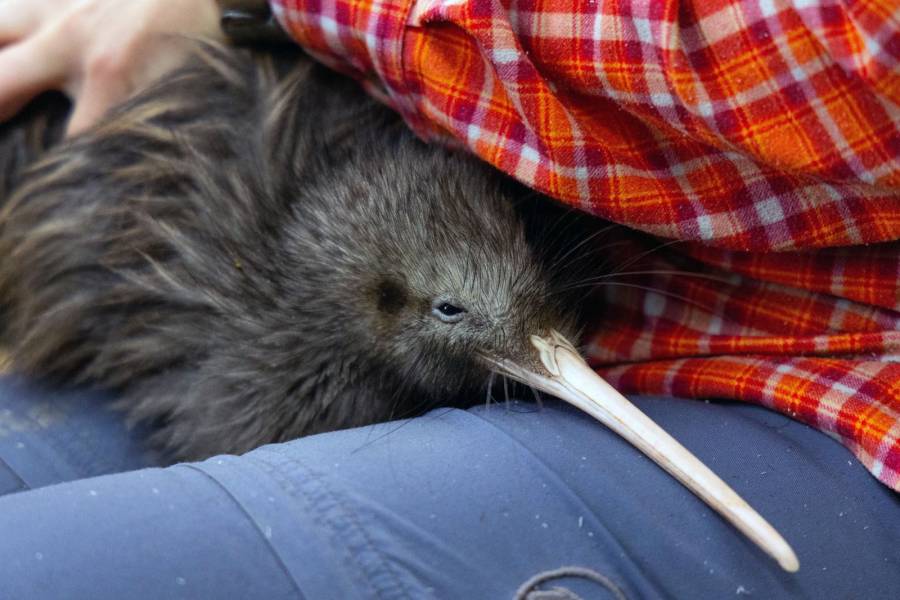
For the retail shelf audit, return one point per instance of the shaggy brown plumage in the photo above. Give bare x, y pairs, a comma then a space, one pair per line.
249, 258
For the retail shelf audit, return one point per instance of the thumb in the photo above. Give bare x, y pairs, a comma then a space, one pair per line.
97, 96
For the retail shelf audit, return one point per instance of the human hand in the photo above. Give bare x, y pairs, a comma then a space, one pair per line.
98, 52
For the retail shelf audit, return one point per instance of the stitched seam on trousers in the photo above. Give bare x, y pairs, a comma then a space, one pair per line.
347, 517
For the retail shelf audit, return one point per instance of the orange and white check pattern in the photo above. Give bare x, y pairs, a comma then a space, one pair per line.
763, 135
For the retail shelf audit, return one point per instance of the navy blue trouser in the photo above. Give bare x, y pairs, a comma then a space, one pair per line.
486, 503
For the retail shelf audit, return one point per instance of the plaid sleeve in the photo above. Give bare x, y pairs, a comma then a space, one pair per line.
762, 135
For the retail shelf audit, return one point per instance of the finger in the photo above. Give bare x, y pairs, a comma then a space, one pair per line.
27, 69
97, 96
15, 24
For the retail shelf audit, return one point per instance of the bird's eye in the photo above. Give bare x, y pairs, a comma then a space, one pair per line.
446, 312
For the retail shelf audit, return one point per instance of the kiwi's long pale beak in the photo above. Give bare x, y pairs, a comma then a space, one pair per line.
572, 380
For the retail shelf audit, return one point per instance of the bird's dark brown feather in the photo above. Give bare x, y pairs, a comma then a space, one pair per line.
248, 254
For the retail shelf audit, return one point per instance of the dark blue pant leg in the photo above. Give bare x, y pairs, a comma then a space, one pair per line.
464, 504
48, 436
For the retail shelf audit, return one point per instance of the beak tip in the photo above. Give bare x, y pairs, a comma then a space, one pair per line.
789, 562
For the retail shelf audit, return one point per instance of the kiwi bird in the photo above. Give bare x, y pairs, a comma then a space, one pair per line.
247, 254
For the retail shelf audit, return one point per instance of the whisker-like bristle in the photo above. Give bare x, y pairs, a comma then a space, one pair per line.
505, 390
489, 394
645, 288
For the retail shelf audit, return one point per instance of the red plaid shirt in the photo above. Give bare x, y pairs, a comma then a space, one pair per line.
763, 136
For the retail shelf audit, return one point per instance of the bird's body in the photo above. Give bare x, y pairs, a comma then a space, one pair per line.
248, 259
